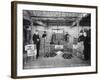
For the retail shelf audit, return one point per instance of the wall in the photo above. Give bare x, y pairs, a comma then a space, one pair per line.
5, 41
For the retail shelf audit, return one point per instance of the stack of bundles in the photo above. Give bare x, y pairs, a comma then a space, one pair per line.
67, 55
50, 54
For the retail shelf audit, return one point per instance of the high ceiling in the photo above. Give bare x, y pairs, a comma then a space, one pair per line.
52, 18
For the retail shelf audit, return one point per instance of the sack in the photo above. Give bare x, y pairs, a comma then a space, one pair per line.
75, 46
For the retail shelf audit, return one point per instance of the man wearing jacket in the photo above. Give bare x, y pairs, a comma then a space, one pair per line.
36, 40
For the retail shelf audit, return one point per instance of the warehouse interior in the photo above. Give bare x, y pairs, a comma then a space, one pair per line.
56, 50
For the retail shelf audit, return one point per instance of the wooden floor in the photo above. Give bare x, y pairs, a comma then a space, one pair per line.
54, 62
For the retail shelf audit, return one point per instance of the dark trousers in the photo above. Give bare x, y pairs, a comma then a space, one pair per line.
38, 48
87, 52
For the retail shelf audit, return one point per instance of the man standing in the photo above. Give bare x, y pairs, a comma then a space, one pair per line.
86, 42
87, 46
44, 34
66, 36
36, 40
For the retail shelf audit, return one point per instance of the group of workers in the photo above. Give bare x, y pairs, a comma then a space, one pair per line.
84, 36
